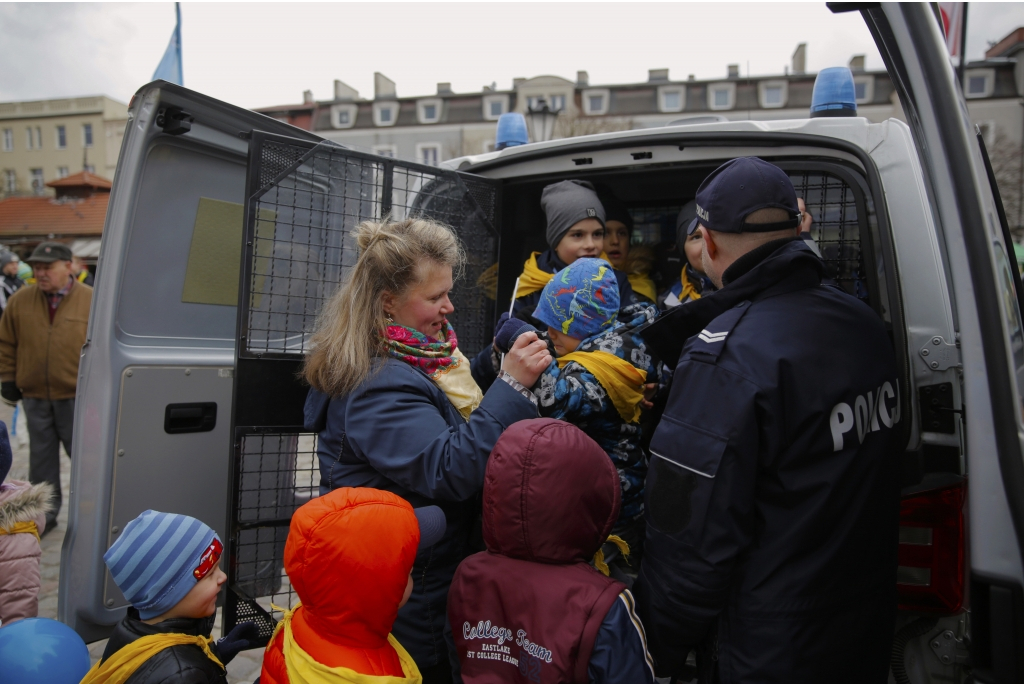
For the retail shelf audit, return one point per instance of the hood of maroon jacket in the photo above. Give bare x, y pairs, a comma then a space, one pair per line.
551, 494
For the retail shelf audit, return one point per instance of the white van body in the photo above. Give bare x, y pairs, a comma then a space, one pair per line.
188, 398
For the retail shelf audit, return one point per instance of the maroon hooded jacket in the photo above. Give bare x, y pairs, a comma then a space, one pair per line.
530, 607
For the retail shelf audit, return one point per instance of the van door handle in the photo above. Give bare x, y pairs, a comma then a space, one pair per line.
191, 417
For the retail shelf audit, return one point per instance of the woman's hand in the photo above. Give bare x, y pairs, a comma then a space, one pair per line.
527, 359
650, 390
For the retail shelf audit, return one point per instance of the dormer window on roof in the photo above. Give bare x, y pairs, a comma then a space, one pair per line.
773, 94
671, 98
864, 89
721, 96
428, 110
385, 113
979, 83
595, 101
495, 106
344, 116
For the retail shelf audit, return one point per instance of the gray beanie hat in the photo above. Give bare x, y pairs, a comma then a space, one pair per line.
687, 214
567, 203
6, 257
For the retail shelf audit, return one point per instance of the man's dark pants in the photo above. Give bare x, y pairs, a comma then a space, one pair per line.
49, 425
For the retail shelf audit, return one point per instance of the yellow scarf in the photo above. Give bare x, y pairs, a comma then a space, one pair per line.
688, 290
125, 661
643, 285
623, 382
23, 527
458, 384
302, 668
534, 278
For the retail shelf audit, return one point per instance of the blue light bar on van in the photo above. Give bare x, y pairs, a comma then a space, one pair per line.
511, 131
834, 94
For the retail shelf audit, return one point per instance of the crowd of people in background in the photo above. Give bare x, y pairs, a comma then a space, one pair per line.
626, 483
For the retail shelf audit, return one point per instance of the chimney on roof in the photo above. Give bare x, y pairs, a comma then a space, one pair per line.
582, 79
800, 59
444, 88
383, 87
516, 82
690, 77
857, 63
343, 91
657, 75
734, 71
307, 97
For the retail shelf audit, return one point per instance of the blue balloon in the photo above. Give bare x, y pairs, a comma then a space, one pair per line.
41, 650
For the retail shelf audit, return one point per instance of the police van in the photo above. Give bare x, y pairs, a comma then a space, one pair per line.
227, 230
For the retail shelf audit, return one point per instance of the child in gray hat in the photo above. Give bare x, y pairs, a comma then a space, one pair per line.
575, 229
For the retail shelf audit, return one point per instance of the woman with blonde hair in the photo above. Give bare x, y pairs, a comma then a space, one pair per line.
396, 407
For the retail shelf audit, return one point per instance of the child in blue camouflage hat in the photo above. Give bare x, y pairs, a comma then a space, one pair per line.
597, 378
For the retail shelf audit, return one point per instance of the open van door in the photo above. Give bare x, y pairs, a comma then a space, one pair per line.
153, 416
988, 321
304, 201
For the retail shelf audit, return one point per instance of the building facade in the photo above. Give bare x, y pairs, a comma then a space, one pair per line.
445, 124
46, 140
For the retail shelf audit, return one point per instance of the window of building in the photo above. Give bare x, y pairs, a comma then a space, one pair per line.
721, 95
37, 180
495, 106
62, 137
596, 102
864, 89
34, 138
671, 99
8, 139
39, 138
385, 150
556, 103
772, 94
91, 168
343, 116
429, 111
62, 172
87, 135
979, 83
10, 181
428, 153
385, 113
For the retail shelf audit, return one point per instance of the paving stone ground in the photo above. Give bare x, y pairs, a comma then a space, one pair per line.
244, 668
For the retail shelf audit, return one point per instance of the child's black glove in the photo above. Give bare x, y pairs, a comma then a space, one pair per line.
241, 637
9, 393
508, 331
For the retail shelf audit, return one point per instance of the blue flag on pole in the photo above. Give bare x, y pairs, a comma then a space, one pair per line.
169, 68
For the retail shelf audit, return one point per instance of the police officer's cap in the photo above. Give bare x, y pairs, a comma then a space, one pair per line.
739, 188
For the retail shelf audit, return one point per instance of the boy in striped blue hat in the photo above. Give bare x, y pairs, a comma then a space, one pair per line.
168, 568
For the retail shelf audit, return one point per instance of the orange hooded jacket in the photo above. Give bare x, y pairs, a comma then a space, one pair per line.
348, 556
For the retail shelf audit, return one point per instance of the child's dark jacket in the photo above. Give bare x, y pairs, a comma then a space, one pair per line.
178, 664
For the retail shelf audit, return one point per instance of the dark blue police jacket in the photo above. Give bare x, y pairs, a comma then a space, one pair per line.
399, 432
773, 490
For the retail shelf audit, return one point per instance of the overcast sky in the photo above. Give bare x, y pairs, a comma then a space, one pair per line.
260, 54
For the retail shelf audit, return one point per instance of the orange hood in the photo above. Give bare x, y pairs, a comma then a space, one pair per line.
348, 555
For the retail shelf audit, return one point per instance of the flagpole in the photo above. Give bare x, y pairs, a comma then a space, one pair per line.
177, 30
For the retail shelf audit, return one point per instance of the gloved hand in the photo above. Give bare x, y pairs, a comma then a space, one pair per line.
510, 329
9, 393
243, 636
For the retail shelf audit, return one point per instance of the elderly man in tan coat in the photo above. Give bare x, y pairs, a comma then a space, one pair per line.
41, 336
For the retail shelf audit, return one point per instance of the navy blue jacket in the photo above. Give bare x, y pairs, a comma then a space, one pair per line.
773, 492
399, 432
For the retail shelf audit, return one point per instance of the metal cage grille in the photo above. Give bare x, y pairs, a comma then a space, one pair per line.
302, 236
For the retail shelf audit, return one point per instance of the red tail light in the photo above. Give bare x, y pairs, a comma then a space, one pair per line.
930, 577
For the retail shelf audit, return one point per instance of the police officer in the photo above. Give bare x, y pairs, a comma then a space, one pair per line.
773, 491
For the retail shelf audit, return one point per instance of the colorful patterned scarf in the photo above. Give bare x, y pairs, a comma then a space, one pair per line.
440, 360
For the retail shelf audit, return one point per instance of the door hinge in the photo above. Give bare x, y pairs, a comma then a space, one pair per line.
174, 120
940, 355
937, 411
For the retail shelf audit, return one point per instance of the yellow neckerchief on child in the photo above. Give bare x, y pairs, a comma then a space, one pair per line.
120, 666
623, 382
534, 278
599, 562
23, 527
458, 384
643, 285
688, 290
302, 668
83, 275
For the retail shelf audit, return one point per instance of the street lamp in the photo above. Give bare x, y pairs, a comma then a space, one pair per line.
541, 119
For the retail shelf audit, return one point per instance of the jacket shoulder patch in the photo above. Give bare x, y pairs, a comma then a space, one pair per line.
710, 342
